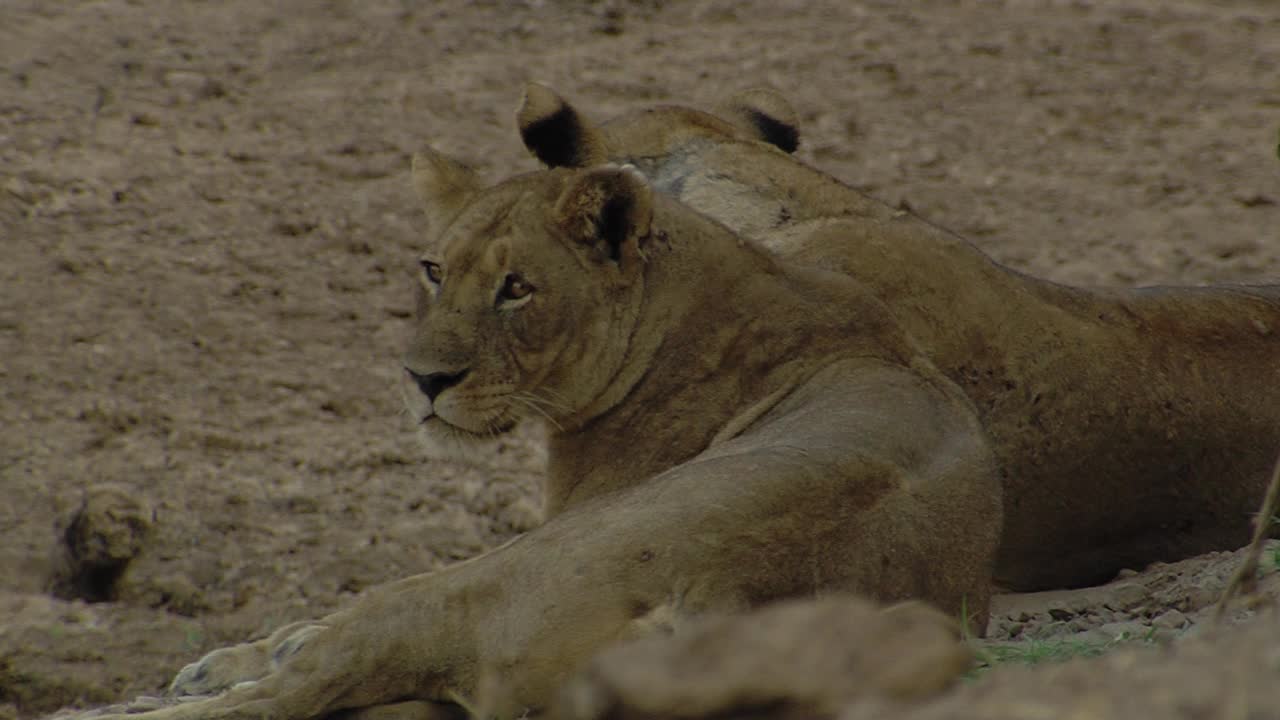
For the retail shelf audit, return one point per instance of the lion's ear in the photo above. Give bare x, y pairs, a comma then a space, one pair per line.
444, 185
608, 209
767, 115
555, 132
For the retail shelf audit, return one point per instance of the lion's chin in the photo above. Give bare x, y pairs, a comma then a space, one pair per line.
445, 440
489, 429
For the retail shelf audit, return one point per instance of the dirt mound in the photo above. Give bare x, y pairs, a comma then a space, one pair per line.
793, 660
208, 230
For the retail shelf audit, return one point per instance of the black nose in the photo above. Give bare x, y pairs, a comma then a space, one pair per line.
433, 384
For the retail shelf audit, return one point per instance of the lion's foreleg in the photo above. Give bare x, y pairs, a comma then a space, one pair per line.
227, 667
748, 524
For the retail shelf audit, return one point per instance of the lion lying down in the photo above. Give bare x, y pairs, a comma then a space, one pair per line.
727, 427
1128, 426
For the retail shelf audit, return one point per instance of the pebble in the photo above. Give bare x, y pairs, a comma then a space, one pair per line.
1052, 630
1204, 593
1171, 620
192, 86
1127, 595
1130, 630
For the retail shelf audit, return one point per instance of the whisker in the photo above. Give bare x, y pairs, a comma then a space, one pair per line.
553, 404
538, 403
532, 404
557, 404
528, 403
557, 394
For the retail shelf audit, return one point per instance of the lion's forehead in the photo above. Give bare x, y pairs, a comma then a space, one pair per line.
497, 235
477, 251
501, 210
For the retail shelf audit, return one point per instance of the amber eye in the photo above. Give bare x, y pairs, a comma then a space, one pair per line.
433, 271
515, 288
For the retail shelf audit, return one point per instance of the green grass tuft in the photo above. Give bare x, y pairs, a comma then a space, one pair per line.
1039, 652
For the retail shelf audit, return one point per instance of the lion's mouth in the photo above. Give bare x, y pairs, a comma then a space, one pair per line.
460, 419
490, 427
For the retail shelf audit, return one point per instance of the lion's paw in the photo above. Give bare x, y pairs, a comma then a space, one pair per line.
241, 665
221, 670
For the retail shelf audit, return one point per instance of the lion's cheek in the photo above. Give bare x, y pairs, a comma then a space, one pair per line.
536, 338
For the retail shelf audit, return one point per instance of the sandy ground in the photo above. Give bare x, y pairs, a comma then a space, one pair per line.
207, 230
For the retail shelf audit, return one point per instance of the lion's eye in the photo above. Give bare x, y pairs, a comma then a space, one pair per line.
432, 271
514, 288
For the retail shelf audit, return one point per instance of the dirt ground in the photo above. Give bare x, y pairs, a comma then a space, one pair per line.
207, 230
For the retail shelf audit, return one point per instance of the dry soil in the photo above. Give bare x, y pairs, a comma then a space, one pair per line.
207, 228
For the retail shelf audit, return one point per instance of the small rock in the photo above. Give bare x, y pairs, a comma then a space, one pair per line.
1252, 200
1060, 613
193, 86
106, 533
1204, 594
1125, 596
1096, 636
1171, 620
1052, 630
1120, 631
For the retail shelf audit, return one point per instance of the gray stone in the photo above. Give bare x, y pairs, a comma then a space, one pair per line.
1121, 631
1170, 620
1125, 596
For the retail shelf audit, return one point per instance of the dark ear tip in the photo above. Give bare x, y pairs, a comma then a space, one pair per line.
774, 131
554, 132
766, 113
554, 137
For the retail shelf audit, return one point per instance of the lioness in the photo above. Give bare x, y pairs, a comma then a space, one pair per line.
1129, 426
727, 428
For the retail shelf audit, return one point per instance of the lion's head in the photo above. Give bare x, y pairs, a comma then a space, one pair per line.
527, 296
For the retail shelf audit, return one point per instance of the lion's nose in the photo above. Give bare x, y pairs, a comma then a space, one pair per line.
433, 384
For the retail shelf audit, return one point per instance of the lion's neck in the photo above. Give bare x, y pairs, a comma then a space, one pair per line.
718, 334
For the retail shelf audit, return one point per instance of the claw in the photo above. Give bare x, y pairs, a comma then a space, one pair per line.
188, 678
292, 644
219, 671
